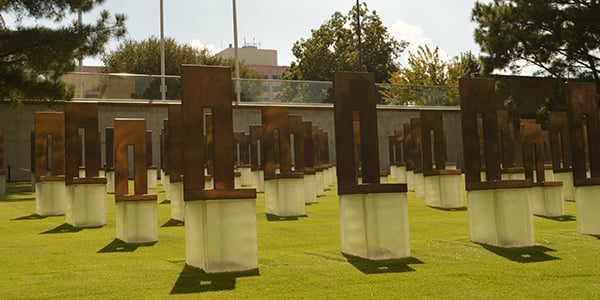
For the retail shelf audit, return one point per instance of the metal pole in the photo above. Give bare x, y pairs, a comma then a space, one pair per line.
360, 64
163, 87
236, 57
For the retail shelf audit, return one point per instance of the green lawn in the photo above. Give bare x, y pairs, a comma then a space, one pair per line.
298, 259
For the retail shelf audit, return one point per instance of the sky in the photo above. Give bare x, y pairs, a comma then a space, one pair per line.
277, 24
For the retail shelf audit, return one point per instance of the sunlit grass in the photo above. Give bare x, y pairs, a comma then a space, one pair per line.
298, 259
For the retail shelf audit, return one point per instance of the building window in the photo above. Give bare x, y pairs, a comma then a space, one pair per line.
275, 77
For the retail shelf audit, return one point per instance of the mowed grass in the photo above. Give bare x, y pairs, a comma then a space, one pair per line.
298, 259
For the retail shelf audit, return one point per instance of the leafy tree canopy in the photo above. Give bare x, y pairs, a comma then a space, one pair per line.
562, 37
32, 58
143, 57
429, 79
334, 47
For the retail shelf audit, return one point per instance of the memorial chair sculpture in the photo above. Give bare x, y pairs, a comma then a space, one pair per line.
417, 157
152, 168
175, 153
499, 211
50, 164
284, 190
241, 150
109, 166
220, 223
560, 143
256, 158
408, 158
86, 196
137, 213
585, 146
301, 140
310, 173
545, 196
373, 216
442, 186
395, 152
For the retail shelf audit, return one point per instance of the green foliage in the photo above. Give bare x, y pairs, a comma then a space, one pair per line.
143, 57
334, 47
562, 37
32, 59
428, 79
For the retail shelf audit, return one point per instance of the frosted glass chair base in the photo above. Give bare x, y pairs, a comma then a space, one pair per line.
220, 235
320, 183
246, 176
137, 221
401, 174
237, 181
501, 217
165, 180
444, 191
393, 173
375, 226
284, 197
86, 204
310, 189
513, 176
410, 180
209, 183
332, 176
152, 178
568, 190
588, 209
259, 180
50, 199
110, 182
547, 201
419, 185
176, 197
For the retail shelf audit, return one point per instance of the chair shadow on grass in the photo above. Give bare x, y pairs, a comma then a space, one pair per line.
31, 217
120, 246
63, 228
464, 208
194, 280
523, 254
399, 265
565, 218
173, 223
275, 218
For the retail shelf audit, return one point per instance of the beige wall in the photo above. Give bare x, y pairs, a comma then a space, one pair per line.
251, 56
18, 123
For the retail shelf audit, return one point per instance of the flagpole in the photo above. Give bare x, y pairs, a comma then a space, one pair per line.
360, 64
163, 87
236, 57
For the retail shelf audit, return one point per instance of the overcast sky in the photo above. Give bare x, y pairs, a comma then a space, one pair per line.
277, 24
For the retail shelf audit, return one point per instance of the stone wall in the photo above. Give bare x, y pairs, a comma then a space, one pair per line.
18, 124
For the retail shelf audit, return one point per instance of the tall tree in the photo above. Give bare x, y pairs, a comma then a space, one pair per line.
561, 37
143, 57
32, 58
429, 79
334, 47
